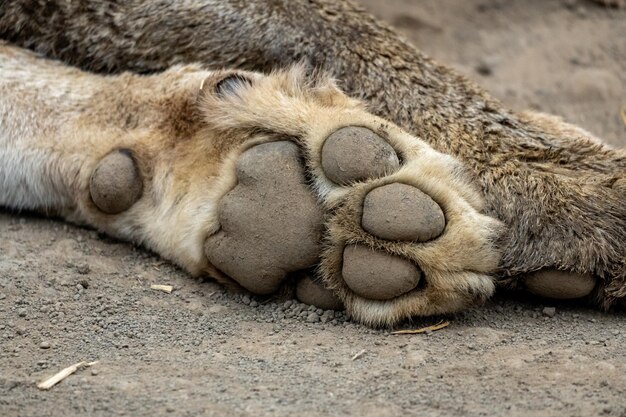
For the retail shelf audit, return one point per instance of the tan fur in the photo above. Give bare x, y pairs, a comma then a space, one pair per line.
186, 139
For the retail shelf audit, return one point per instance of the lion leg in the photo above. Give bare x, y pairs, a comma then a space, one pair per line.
523, 167
43, 145
574, 238
252, 178
103, 152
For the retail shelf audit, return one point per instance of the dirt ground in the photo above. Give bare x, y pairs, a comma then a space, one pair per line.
69, 294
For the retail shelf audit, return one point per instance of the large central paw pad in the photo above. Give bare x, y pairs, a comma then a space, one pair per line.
270, 222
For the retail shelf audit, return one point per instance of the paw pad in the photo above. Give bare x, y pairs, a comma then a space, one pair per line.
313, 293
270, 222
402, 212
115, 185
563, 285
376, 275
355, 154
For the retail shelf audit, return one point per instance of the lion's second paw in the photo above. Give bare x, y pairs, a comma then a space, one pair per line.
393, 226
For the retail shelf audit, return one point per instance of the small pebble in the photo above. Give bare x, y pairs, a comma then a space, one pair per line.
312, 318
83, 269
484, 68
21, 312
44, 345
549, 311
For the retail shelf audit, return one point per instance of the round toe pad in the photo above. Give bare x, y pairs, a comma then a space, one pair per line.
376, 275
313, 293
355, 153
563, 285
402, 212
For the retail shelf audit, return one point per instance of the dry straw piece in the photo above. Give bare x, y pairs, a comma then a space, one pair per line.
432, 328
358, 355
165, 288
55, 379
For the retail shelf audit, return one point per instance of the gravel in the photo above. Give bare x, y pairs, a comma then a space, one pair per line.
549, 311
202, 347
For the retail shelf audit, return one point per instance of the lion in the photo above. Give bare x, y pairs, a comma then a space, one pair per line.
409, 191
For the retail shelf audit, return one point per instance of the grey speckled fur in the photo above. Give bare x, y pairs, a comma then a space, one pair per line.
561, 193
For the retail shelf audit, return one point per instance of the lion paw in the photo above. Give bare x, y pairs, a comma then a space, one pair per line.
394, 228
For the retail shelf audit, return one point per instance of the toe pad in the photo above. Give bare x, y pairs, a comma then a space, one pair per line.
563, 285
377, 275
312, 293
355, 154
402, 212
